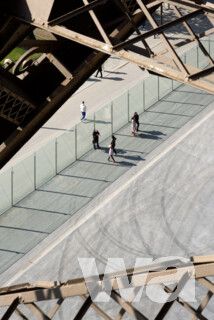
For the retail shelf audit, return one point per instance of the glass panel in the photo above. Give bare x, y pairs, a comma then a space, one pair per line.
103, 122
120, 111
205, 43
136, 101
84, 136
5, 191
23, 179
203, 61
212, 47
45, 163
151, 90
176, 84
183, 57
65, 149
192, 57
165, 86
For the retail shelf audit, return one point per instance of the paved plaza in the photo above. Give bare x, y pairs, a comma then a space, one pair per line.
155, 201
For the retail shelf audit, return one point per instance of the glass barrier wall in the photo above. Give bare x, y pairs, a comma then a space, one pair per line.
45, 163
103, 121
23, 172
84, 135
151, 91
175, 84
164, 87
192, 57
203, 62
6, 191
211, 46
34, 171
65, 149
119, 110
136, 100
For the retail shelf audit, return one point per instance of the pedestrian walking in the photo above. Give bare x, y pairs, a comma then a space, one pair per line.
95, 140
110, 153
99, 70
133, 126
136, 118
113, 143
83, 110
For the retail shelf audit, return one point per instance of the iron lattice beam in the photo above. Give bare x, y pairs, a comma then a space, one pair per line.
123, 51
200, 268
14, 108
106, 34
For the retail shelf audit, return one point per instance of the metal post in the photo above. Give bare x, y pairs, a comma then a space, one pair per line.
144, 98
34, 171
75, 142
94, 120
56, 143
158, 88
111, 117
12, 173
197, 57
128, 96
209, 45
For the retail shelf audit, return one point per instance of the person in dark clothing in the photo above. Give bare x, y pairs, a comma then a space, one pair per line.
136, 119
113, 143
99, 70
95, 140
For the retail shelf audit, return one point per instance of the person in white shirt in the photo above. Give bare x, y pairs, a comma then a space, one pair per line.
83, 110
133, 126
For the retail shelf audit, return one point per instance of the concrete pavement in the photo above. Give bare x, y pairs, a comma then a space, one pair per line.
156, 201
34, 218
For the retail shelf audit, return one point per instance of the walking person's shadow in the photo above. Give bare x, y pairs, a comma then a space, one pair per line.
122, 159
149, 135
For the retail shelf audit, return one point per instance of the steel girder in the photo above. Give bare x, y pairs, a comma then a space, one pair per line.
33, 89
179, 273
